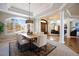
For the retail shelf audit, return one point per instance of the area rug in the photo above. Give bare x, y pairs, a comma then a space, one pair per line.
13, 50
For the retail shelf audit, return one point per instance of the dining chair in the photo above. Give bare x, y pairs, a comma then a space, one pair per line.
22, 43
41, 41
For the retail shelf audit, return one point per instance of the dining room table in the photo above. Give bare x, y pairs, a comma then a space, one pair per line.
30, 37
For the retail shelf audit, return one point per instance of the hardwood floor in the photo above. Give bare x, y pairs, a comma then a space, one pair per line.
72, 43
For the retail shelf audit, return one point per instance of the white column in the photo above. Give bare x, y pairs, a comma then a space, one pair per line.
49, 28
68, 28
37, 24
61, 27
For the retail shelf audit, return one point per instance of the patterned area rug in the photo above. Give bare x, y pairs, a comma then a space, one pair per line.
14, 51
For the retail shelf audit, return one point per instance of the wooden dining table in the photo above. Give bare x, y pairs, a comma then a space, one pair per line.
31, 38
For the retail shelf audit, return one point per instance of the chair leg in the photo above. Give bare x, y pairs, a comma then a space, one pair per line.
45, 47
38, 50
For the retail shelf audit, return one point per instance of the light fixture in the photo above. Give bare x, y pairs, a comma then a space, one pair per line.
30, 19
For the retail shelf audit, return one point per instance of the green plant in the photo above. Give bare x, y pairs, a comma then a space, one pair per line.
1, 27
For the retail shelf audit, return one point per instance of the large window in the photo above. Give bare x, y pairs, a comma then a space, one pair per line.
14, 24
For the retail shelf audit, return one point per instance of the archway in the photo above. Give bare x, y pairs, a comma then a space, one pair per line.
44, 26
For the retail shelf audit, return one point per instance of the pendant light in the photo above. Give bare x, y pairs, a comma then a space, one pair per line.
30, 19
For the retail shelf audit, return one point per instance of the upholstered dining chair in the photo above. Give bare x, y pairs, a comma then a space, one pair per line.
41, 41
22, 43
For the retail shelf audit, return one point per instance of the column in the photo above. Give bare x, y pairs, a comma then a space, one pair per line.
68, 28
61, 27
37, 24
49, 29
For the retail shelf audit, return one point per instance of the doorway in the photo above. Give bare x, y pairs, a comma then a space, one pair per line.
44, 26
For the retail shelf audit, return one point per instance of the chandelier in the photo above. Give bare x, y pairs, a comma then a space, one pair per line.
30, 19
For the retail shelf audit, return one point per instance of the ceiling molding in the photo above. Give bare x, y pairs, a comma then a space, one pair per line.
14, 13
14, 9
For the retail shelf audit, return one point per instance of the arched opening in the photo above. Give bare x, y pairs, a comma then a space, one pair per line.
44, 26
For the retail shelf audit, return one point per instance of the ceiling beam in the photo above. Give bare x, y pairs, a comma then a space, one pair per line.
68, 12
62, 6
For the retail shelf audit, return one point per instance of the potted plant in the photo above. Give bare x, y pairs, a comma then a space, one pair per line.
1, 27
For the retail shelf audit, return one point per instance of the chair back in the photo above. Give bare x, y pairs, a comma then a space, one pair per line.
21, 40
41, 40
